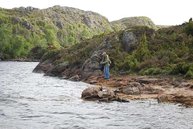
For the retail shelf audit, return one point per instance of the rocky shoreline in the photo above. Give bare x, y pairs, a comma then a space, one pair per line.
130, 52
125, 88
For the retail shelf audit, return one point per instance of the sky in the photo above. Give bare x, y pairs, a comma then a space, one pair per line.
162, 12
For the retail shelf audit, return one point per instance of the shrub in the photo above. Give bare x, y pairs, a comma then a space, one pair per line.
180, 68
189, 74
151, 71
189, 28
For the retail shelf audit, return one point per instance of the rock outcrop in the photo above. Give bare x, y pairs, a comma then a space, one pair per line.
101, 94
165, 90
129, 41
183, 96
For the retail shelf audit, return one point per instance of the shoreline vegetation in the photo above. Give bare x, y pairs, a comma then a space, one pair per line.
69, 42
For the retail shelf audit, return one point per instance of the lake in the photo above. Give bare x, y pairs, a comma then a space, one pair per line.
34, 101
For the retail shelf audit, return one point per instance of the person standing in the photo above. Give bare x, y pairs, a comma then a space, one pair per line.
106, 63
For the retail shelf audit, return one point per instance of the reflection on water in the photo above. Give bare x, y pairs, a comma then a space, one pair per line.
33, 101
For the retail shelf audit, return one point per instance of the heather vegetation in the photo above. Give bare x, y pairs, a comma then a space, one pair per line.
167, 51
70, 36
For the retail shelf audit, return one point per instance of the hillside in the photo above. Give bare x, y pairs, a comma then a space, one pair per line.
133, 21
28, 32
138, 50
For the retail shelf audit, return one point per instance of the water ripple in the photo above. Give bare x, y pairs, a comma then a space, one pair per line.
30, 100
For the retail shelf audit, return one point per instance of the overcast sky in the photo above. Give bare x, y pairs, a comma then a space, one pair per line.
162, 12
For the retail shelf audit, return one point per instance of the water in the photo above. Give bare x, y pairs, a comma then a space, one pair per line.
33, 101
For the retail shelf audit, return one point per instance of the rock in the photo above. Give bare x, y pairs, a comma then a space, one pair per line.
44, 67
135, 88
57, 70
27, 9
75, 78
87, 21
101, 94
91, 93
147, 80
182, 96
15, 20
91, 65
176, 98
151, 90
59, 24
107, 43
134, 84
27, 25
131, 90
128, 41
93, 81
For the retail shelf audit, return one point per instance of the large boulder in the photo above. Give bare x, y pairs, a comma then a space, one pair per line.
101, 94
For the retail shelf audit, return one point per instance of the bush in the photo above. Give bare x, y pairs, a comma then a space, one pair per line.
189, 28
151, 71
189, 74
142, 52
130, 64
181, 68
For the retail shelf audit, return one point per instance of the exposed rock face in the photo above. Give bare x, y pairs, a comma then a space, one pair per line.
129, 41
101, 94
91, 65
